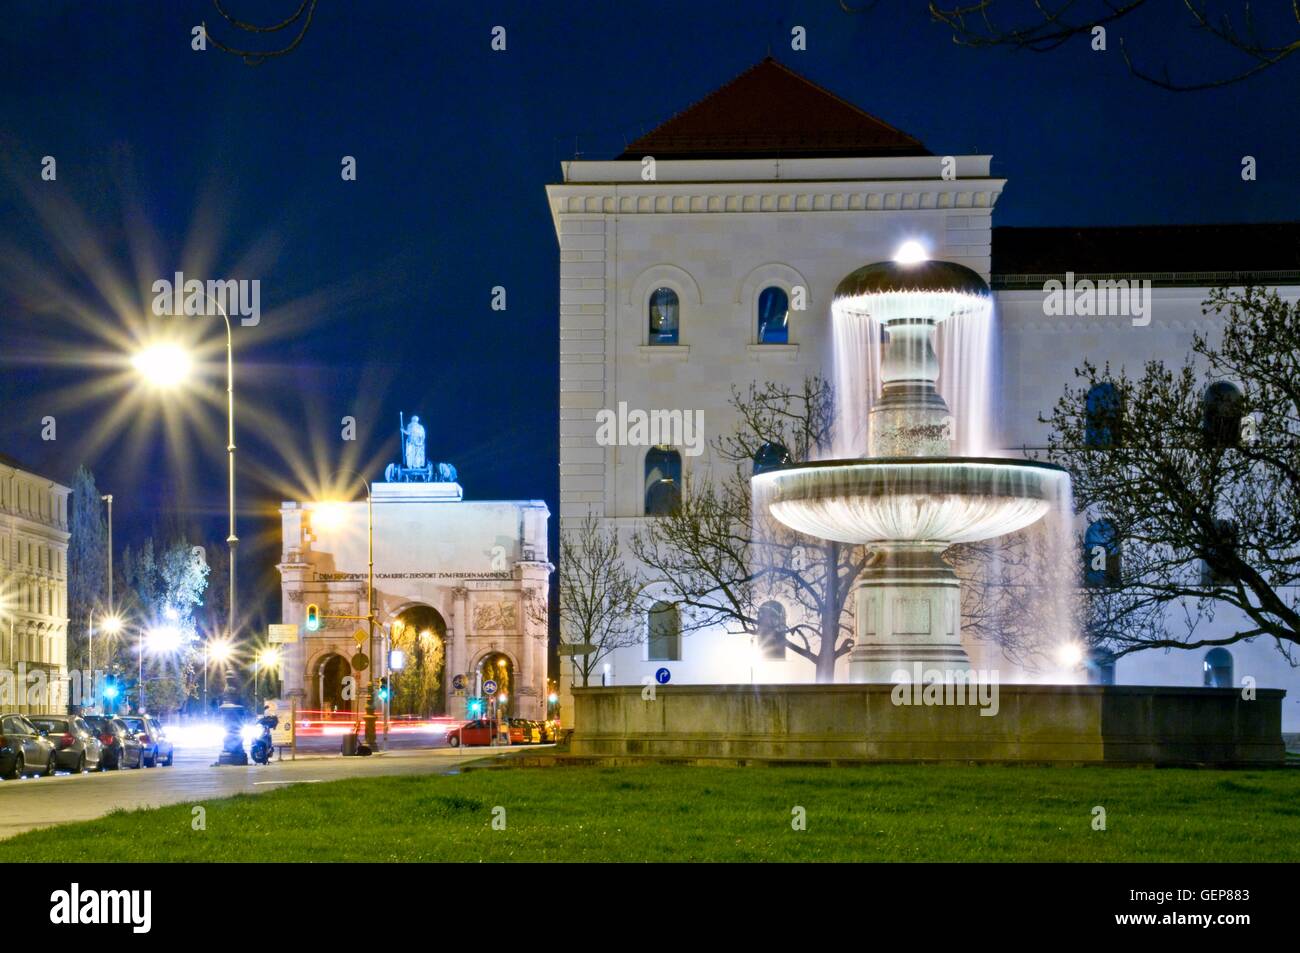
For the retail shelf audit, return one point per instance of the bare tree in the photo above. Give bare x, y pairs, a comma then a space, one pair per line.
1196, 487
728, 562
1043, 26
599, 608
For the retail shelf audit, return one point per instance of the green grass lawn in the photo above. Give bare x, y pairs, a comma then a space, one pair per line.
654, 813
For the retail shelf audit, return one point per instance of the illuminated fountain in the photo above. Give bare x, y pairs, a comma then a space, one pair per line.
910, 499
908, 495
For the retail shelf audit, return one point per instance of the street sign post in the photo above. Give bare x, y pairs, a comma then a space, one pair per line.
278, 634
663, 676
360, 636
489, 687
360, 662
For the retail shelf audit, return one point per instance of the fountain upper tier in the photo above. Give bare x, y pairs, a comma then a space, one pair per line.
910, 488
910, 300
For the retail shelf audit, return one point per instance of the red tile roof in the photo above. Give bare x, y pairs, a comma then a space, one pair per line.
770, 111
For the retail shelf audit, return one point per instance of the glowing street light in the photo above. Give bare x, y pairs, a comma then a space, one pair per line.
328, 515
163, 638
268, 657
214, 650
1070, 655
163, 365
111, 625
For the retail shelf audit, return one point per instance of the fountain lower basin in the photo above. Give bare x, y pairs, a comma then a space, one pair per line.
942, 500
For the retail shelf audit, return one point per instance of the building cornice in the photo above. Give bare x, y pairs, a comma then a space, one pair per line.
660, 198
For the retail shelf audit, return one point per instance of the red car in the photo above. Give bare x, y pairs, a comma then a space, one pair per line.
478, 732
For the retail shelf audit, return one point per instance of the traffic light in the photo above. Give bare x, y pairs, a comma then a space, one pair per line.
111, 690
313, 617
383, 693
475, 707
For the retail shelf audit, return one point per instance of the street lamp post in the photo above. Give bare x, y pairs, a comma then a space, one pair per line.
232, 539
370, 714
370, 616
108, 498
232, 745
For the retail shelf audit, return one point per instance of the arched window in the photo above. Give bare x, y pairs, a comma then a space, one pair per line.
773, 316
1219, 553
663, 481
771, 630
1222, 408
665, 642
771, 456
664, 312
1218, 668
1104, 417
1101, 555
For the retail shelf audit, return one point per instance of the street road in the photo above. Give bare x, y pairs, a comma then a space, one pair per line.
41, 802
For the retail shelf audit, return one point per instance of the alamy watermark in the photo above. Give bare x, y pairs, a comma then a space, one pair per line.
35, 688
75, 905
651, 428
240, 298
1101, 298
933, 686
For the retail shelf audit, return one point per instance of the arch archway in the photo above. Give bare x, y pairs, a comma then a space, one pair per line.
328, 685
419, 632
499, 667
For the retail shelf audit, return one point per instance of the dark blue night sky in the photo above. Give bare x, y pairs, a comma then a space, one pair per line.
376, 293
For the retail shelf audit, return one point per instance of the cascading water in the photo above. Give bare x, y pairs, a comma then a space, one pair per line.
857, 382
968, 380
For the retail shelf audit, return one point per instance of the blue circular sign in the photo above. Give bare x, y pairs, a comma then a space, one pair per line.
663, 676
489, 687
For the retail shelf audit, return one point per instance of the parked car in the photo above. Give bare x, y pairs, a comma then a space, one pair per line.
78, 748
121, 747
518, 732
550, 732
477, 732
23, 750
157, 749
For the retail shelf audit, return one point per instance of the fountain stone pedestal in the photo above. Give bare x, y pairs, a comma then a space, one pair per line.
908, 612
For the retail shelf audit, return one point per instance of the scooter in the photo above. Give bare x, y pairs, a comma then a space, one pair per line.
261, 749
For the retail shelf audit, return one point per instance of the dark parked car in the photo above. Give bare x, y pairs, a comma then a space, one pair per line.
157, 748
121, 747
78, 748
23, 750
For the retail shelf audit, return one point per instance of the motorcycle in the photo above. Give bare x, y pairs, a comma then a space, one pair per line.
262, 748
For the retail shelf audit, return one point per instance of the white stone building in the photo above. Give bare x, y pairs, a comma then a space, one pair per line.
33, 591
461, 583
774, 183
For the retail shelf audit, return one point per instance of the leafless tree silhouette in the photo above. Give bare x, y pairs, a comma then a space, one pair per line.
1046, 25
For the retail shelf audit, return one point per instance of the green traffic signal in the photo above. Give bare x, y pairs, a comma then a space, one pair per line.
313, 617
